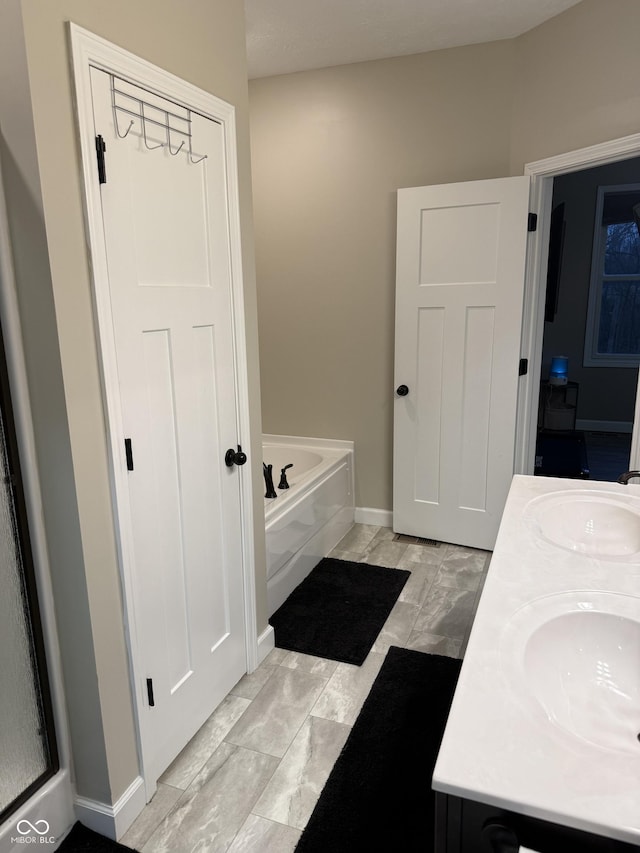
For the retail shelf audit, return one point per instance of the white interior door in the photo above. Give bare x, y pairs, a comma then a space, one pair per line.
459, 295
166, 234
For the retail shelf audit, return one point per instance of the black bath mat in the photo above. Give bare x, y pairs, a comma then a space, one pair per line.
84, 840
338, 610
378, 796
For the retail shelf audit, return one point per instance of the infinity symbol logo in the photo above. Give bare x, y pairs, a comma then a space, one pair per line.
40, 827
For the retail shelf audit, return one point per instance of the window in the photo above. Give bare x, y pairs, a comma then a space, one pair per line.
613, 320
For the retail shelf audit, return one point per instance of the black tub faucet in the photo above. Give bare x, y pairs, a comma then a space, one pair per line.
628, 475
283, 477
267, 470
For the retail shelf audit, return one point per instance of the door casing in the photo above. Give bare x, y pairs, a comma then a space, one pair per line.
91, 50
542, 173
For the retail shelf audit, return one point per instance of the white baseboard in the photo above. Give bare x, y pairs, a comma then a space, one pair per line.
604, 426
266, 643
379, 517
112, 821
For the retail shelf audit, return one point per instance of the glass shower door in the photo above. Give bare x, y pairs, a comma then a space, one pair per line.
28, 755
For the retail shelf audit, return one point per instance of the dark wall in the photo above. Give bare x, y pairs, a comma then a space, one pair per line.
606, 393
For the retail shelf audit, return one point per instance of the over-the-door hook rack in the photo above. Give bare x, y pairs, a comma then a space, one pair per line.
172, 123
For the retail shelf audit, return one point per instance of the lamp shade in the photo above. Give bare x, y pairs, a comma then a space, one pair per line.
559, 373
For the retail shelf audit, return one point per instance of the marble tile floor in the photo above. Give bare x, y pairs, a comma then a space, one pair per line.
250, 778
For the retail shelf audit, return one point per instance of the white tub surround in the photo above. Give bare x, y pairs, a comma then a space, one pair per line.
546, 714
305, 522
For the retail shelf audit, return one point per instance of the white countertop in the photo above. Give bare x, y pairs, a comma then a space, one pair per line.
499, 747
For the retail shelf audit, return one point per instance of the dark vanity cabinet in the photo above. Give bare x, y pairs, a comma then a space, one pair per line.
466, 826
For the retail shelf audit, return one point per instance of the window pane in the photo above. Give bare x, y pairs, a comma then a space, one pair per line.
619, 330
622, 253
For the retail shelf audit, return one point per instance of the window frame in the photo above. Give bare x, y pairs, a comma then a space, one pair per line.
592, 358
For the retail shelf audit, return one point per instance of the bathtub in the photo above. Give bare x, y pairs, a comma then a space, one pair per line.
307, 520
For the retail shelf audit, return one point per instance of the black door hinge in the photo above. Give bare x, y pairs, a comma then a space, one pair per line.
101, 147
150, 692
128, 453
523, 368
532, 223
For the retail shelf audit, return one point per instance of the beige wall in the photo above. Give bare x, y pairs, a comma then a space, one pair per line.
578, 80
202, 41
329, 150
30, 256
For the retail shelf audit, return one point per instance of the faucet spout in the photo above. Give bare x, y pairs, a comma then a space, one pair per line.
628, 475
267, 470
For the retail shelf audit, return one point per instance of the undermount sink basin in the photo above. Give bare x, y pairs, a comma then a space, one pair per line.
594, 523
576, 656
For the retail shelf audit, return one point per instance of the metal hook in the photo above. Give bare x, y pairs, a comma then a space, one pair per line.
144, 130
126, 133
115, 111
178, 149
169, 129
204, 157
200, 159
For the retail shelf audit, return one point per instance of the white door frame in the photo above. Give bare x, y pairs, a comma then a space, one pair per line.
91, 50
53, 801
542, 173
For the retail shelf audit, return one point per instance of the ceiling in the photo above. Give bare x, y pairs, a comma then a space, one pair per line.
296, 35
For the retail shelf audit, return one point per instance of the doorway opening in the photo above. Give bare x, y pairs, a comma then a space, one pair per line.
543, 174
589, 363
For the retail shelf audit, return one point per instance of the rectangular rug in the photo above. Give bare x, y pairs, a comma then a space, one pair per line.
378, 796
338, 610
81, 839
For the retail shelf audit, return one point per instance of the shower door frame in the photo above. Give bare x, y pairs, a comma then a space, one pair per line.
22, 544
51, 799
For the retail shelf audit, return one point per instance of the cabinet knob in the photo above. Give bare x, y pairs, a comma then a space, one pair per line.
501, 838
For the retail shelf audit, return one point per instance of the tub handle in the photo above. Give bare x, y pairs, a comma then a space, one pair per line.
283, 476
235, 457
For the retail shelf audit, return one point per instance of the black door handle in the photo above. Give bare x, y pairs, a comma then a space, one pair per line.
402, 390
235, 457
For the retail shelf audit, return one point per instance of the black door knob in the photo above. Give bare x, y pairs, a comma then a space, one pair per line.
402, 390
235, 457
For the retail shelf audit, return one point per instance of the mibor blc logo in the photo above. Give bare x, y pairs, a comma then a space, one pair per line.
32, 833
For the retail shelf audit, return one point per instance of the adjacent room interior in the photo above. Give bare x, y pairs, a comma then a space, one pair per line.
590, 354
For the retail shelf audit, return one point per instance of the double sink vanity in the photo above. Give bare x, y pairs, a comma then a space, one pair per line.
542, 745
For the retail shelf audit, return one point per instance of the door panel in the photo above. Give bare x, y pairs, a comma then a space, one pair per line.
166, 233
428, 394
459, 288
